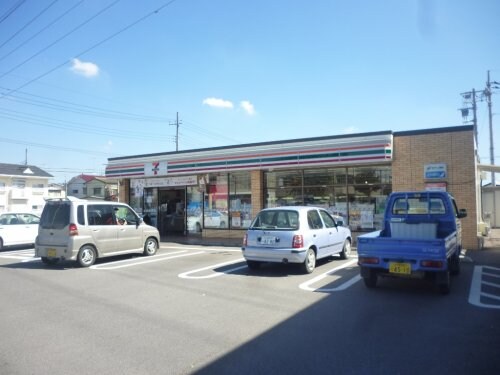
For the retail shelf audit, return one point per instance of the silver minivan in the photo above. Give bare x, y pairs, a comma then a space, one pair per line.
83, 230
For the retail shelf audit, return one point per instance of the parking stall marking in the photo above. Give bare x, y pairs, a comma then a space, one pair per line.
187, 275
488, 278
27, 255
135, 262
306, 285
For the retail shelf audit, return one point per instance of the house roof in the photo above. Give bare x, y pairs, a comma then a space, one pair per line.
22, 170
86, 178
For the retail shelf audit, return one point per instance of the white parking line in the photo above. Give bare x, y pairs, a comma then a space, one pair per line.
135, 262
25, 255
186, 275
476, 292
343, 286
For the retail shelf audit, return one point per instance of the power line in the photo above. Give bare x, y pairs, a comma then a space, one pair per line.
61, 38
156, 11
29, 23
11, 10
39, 32
51, 147
99, 112
75, 126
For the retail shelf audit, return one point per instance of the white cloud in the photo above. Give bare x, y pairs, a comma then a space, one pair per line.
218, 103
86, 69
350, 130
247, 107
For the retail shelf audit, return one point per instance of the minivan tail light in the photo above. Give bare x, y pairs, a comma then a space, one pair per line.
73, 230
245, 240
298, 241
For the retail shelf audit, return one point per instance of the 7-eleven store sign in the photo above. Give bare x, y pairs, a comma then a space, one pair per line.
156, 168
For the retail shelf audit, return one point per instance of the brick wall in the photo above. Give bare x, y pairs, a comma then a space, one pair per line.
412, 150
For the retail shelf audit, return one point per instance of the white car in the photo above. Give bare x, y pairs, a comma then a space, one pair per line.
18, 228
210, 219
295, 234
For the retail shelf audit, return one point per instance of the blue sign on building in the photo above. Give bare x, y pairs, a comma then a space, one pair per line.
436, 171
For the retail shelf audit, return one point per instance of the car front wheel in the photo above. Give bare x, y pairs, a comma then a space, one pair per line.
310, 262
346, 250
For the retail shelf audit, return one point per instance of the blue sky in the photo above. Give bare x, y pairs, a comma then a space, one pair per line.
81, 81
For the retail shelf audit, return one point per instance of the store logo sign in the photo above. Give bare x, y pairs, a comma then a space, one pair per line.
156, 168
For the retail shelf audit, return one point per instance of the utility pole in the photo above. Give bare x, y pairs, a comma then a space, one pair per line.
176, 124
487, 93
471, 95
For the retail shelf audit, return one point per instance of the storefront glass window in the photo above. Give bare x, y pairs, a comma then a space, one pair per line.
283, 188
215, 213
240, 200
194, 196
151, 206
358, 194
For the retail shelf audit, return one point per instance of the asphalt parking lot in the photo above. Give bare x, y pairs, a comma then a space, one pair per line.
199, 309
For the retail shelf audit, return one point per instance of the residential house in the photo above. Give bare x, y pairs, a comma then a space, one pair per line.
23, 188
93, 187
57, 191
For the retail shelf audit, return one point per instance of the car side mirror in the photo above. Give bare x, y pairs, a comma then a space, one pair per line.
462, 213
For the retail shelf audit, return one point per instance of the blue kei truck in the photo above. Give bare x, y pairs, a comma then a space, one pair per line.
421, 239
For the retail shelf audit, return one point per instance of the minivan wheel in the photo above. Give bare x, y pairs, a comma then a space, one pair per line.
346, 250
86, 256
150, 247
310, 262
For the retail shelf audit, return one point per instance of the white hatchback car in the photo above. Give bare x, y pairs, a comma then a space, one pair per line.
18, 228
295, 234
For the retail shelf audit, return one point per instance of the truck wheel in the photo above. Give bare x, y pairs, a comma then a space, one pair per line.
371, 280
443, 282
454, 265
310, 262
346, 250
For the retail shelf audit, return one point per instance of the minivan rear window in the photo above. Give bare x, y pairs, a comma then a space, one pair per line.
55, 216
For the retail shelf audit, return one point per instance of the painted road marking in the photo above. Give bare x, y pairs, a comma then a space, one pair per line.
485, 287
343, 286
25, 255
187, 275
135, 262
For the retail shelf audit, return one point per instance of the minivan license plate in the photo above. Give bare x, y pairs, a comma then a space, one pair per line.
51, 253
401, 268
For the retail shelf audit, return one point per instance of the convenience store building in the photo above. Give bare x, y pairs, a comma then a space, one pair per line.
215, 192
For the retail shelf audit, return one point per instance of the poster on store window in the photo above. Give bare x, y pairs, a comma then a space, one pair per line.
361, 216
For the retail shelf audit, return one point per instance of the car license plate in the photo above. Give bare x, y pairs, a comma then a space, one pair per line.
267, 240
51, 253
400, 268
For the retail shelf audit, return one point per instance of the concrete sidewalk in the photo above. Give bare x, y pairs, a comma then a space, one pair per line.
202, 241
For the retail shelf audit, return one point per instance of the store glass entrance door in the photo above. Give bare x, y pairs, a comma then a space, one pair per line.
171, 211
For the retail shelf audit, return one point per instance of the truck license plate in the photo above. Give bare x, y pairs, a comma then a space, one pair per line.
51, 253
400, 268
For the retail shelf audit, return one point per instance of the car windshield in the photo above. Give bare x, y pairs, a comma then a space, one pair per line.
277, 219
